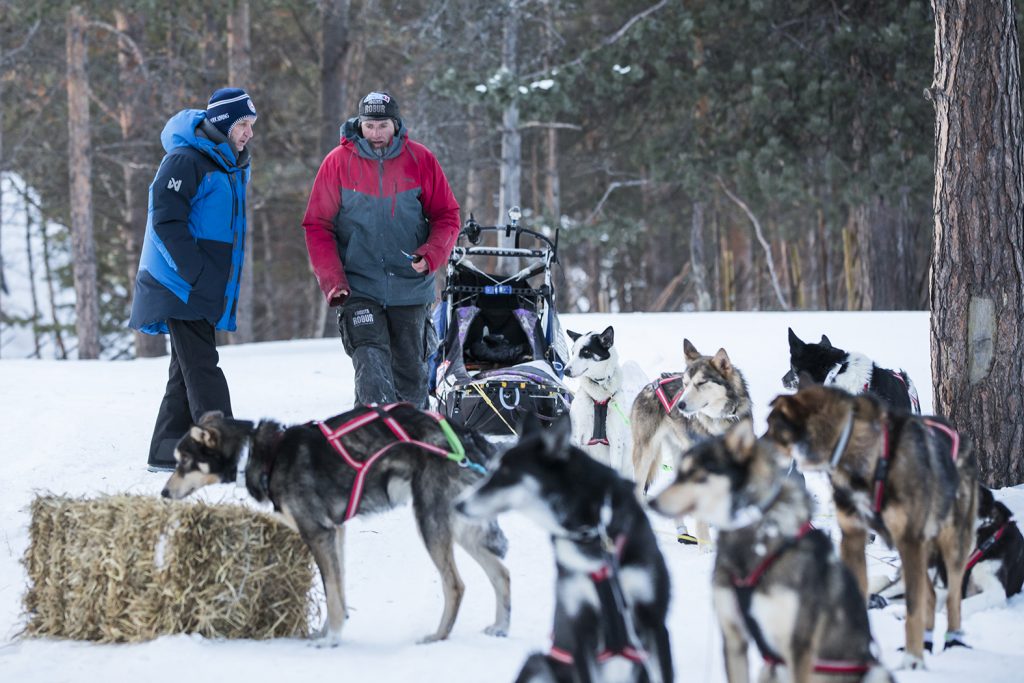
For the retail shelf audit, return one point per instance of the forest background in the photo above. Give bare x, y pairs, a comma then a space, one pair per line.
741, 155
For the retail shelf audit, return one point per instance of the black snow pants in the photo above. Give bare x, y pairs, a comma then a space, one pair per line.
389, 348
195, 385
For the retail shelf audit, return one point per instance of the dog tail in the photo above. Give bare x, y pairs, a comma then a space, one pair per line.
495, 539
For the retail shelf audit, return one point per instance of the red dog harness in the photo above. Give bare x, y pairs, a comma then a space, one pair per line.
375, 413
979, 553
667, 404
882, 468
744, 592
617, 634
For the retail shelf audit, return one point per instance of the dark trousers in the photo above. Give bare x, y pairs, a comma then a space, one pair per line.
195, 385
389, 348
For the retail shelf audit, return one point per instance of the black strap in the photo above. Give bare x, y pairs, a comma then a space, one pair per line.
600, 423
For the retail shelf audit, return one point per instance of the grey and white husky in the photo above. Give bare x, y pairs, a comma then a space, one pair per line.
776, 582
319, 474
673, 413
612, 590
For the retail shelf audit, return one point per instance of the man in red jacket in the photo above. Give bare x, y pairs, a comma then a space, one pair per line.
381, 220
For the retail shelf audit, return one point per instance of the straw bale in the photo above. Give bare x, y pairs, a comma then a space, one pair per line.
131, 568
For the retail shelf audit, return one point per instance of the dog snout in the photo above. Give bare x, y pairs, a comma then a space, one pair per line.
166, 493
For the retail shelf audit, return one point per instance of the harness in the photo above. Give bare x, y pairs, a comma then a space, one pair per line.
745, 588
600, 435
620, 639
377, 412
979, 553
659, 391
882, 466
915, 400
884, 460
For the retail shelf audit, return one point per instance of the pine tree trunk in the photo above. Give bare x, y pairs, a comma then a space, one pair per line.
240, 76
697, 258
130, 116
80, 193
977, 303
511, 138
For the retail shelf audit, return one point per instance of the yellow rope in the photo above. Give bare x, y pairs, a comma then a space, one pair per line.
491, 405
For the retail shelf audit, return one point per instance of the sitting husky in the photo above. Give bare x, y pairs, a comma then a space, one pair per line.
370, 459
849, 370
995, 570
612, 591
674, 412
600, 408
776, 580
911, 479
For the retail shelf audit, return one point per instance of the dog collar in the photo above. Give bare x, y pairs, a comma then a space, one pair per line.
830, 378
844, 438
243, 463
753, 513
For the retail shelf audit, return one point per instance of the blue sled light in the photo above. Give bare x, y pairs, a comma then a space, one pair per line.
498, 289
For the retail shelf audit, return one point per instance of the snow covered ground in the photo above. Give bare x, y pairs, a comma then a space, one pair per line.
83, 428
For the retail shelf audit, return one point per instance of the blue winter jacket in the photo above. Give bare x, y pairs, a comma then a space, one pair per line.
192, 255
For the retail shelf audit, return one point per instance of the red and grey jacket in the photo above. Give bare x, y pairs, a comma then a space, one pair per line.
365, 210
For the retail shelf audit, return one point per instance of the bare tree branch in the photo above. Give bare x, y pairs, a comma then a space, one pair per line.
760, 238
604, 43
614, 185
549, 124
125, 40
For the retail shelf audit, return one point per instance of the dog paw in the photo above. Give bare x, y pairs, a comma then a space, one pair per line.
876, 601
497, 631
432, 638
912, 663
955, 639
327, 640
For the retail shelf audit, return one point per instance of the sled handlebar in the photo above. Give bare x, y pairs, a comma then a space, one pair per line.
473, 230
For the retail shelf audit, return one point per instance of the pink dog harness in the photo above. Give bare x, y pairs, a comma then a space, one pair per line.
334, 436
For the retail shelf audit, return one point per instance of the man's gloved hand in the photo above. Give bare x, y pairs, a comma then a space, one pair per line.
337, 296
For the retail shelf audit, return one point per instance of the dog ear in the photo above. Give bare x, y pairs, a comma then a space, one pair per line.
608, 337
721, 361
741, 440
795, 344
206, 437
530, 425
555, 439
690, 351
209, 417
825, 342
573, 335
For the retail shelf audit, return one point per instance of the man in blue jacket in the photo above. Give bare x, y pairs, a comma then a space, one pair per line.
191, 262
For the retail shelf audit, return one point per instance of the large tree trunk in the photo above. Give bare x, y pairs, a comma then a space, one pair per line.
130, 119
697, 258
511, 138
335, 72
240, 76
977, 252
87, 324
334, 39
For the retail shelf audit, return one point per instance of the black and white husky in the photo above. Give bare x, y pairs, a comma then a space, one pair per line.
995, 569
851, 371
612, 590
368, 460
600, 408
